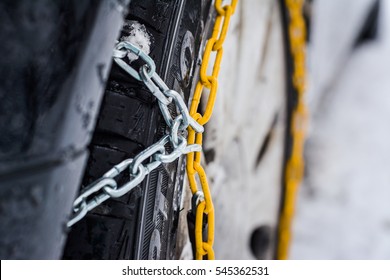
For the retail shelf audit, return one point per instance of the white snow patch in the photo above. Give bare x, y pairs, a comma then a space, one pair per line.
139, 37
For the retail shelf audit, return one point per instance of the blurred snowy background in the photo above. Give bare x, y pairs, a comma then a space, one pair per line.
343, 205
343, 209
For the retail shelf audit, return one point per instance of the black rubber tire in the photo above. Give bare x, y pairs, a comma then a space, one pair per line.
143, 223
53, 69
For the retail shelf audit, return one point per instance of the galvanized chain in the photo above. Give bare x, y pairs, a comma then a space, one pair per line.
204, 212
152, 157
295, 164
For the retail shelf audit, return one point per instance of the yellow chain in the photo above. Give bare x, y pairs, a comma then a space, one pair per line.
205, 208
295, 163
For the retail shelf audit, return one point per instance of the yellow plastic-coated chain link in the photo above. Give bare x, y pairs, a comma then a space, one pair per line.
295, 163
221, 9
199, 231
204, 248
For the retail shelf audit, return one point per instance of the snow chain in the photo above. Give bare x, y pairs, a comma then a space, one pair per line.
153, 156
295, 163
106, 187
204, 205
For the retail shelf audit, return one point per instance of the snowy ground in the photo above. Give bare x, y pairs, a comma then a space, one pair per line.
343, 209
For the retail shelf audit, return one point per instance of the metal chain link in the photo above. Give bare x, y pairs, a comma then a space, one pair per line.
106, 187
295, 164
204, 204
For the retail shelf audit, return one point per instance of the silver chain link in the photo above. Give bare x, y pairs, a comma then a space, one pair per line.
106, 187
